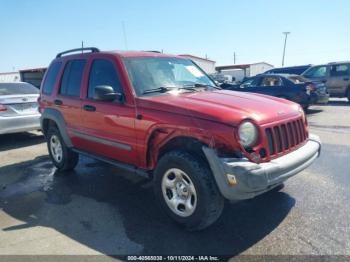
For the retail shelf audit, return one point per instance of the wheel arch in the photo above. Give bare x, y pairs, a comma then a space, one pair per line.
160, 142
53, 117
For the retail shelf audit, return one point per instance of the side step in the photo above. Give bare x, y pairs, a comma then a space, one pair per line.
133, 169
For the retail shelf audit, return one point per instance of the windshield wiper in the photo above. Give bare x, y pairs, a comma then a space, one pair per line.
161, 89
190, 88
204, 85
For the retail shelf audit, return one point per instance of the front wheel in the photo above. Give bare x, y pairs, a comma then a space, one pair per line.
187, 190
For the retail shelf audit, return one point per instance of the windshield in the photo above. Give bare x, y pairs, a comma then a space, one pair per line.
17, 88
149, 73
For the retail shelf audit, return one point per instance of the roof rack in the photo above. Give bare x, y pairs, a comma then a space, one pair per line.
153, 51
92, 49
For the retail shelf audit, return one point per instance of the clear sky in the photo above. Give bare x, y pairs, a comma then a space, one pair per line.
33, 31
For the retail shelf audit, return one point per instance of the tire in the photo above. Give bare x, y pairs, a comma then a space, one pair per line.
348, 94
191, 182
62, 157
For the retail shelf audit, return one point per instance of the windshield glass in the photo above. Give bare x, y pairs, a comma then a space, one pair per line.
148, 73
17, 88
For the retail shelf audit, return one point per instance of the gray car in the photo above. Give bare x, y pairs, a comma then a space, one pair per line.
336, 76
18, 108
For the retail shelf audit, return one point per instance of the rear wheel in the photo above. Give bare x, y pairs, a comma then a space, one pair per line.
187, 191
348, 94
62, 156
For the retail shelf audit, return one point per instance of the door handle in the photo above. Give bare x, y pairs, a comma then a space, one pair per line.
346, 79
89, 108
58, 102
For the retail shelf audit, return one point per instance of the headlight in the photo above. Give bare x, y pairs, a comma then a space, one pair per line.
301, 110
248, 134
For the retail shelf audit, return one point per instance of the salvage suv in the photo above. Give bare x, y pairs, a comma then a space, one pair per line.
160, 116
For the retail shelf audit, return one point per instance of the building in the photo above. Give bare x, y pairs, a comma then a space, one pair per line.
32, 76
10, 77
206, 64
244, 70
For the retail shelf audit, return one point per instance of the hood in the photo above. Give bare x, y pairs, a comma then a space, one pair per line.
224, 106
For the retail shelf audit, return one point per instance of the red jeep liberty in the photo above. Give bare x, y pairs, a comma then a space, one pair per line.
162, 117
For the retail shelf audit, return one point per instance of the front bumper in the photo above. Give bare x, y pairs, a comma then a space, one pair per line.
322, 99
18, 124
240, 179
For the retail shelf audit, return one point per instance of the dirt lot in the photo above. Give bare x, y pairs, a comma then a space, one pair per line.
101, 210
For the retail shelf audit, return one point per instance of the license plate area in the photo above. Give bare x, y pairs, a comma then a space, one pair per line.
24, 108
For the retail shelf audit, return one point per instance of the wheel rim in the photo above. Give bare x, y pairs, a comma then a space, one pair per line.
56, 148
179, 192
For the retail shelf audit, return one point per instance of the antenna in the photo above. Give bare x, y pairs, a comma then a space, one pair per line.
82, 47
124, 34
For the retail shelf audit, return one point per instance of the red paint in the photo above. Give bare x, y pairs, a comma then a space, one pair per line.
209, 116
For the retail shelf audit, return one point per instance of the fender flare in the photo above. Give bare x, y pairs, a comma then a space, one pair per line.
56, 116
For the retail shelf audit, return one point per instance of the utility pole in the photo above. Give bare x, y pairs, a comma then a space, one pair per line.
284, 48
234, 58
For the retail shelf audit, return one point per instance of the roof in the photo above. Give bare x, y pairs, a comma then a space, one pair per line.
197, 57
121, 53
241, 66
9, 73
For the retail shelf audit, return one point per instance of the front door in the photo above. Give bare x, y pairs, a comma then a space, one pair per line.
108, 127
339, 80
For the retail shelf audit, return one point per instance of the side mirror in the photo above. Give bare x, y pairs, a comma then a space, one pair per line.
107, 93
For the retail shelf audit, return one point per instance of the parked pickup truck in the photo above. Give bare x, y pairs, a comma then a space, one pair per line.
160, 116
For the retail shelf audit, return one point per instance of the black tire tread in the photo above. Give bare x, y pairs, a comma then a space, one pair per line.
213, 198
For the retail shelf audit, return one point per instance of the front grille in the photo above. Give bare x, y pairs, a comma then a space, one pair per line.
285, 137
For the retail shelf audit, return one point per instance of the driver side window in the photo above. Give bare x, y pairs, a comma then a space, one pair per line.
103, 73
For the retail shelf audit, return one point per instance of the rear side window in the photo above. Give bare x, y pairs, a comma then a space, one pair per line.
72, 76
340, 70
17, 89
51, 78
103, 72
271, 81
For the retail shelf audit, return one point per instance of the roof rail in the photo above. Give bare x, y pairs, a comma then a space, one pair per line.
92, 49
153, 51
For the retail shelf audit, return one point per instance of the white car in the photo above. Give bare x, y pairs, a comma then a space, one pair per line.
18, 108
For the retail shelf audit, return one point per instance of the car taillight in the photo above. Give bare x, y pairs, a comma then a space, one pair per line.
2, 108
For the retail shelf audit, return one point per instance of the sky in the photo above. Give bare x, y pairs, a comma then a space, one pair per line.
32, 32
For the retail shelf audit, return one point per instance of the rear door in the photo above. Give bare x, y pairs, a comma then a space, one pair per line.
339, 79
68, 100
108, 127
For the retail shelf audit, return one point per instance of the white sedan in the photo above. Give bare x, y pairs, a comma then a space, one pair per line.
18, 108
